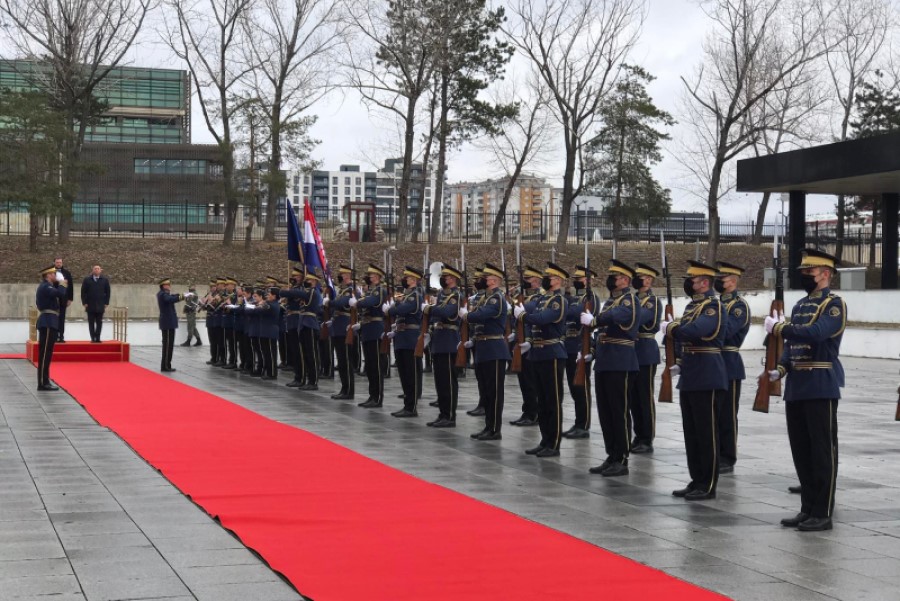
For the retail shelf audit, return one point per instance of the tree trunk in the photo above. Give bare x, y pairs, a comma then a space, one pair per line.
248, 234
405, 178
839, 227
872, 244
760, 219
231, 204
438, 199
567, 196
277, 188
426, 168
712, 204
34, 232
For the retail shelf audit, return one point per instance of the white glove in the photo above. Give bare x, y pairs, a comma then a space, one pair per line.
327, 324
387, 306
518, 311
472, 299
469, 344
352, 302
427, 339
425, 306
511, 337
355, 327
250, 307
463, 312
772, 320
525, 346
675, 370
326, 300
189, 295
587, 319
587, 358
774, 375
60, 277
391, 334
664, 327
231, 306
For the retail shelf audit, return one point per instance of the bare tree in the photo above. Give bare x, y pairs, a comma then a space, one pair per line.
207, 36
577, 47
291, 45
78, 42
858, 31
523, 141
755, 47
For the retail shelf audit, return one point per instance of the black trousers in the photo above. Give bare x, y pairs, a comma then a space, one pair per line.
548, 376
374, 369
581, 395
612, 388
356, 353
701, 438
216, 344
211, 336
326, 356
256, 345
230, 346
409, 368
529, 388
493, 375
344, 364
245, 352
309, 349
294, 355
61, 332
46, 341
281, 343
727, 405
269, 348
95, 324
168, 347
445, 383
813, 434
643, 408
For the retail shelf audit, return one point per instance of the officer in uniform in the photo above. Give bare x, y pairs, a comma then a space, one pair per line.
474, 302
241, 326
326, 348
492, 351
736, 317
527, 382
443, 316
191, 306
293, 308
337, 327
547, 356
643, 406
616, 366
407, 314
812, 343
581, 395
206, 305
311, 305
168, 320
51, 294
228, 334
370, 330
217, 332
698, 338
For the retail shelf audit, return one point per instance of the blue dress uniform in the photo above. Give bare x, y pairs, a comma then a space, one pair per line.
581, 395
292, 309
407, 314
615, 362
48, 299
340, 321
245, 352
473, 303
699, 337
736, 317
228, 331
643, 407
527, 384
217, 338
326, 347
548, 359
371, 329
491, 352
268, 313
310, 304
206, 305
443, 317
812, 343
252, 327
168, 322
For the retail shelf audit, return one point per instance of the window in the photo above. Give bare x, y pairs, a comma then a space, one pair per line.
334, 180
358, 182
306, 189
358, 189
305, 179
346, 181
334, 190
170, 166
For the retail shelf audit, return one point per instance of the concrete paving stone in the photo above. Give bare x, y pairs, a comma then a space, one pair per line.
270, 591
27, 568
180, 558
34, 586
197, 576
13, 550
117, 587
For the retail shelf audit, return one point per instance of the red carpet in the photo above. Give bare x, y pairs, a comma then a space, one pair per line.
341, 526
12, 356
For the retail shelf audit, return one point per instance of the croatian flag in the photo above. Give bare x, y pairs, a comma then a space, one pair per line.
313, 249
295, 238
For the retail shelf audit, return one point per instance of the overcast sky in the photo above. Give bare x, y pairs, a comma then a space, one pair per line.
670, 47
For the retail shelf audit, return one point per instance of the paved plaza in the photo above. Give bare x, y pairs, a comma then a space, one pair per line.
83, 517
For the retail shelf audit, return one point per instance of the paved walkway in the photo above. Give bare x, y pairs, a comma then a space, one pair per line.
82, 517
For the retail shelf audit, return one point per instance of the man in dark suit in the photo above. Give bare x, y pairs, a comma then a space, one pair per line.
168, 320
95, 298
64, 303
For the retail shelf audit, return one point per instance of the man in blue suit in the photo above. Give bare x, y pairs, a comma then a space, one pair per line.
407, 314
50, 297
443, 316
370, 328
168, 320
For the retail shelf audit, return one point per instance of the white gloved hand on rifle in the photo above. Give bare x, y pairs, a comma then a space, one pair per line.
675, 370
587, 319
463, 312
391, 334
772, 320
427, 339
387, 306
519, 311
511, 337
587, 358
469, 344
355, 327
774, 375
352, 301
525, 346
425, 307
327, 324
664, 327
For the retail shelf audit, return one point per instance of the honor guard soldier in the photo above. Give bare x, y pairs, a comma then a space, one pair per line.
252, 325
168, 321
736, 317
311, 305
268, 311
547, 357
293, 308
492, 351
228, 333
50, 296
474, 302
371, 328
444, 318
241, 325
340, 321
698, 338
191, 306
643, 405
616, 366
326, 346
812, 343
527, 384
581, 395
206, 305
407, 314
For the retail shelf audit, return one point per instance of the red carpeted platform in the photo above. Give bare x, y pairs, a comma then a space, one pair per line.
341, 526
78, 351
12, 356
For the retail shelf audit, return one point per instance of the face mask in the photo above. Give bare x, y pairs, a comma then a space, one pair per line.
480, 284
578, 285
442, 282
610, 282
307, 284
545, 282
808, 281
719, 286
526, 285
689, 286
637, 283
367, 280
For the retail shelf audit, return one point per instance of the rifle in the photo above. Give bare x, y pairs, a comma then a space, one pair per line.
581, 367
774, 344
508, 329
324, 333
423, 329
461, 351
388, 320
515, 365
665, 387
354, 314
897, 415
